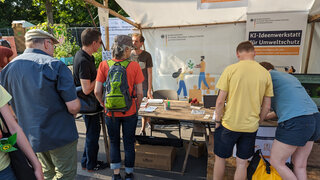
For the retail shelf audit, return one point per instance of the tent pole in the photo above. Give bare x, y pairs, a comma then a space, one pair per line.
192, 25
105, 3
309, 48
96, 4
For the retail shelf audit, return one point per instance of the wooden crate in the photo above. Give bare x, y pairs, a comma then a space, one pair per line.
314, 157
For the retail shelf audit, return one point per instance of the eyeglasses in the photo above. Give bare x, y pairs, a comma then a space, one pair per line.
49, 41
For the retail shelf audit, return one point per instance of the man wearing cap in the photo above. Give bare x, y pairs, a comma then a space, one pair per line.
121, 51
45, 102
84, 73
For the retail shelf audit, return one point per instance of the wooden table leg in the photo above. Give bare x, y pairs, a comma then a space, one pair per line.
105, 137
187, 154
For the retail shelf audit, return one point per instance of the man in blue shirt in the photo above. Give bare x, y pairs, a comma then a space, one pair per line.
45, 102
298, 124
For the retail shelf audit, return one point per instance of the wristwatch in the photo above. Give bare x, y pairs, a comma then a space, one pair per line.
217, 121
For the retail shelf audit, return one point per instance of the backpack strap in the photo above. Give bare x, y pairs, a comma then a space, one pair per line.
124, 63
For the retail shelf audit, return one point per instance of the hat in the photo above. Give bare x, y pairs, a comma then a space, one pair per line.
40, 34
123, 40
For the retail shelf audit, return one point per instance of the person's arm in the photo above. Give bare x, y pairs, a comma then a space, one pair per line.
98, 92
139, 95
265, 108
271, 115
87, 86
220, 107
22, 141
73, 106
149, 93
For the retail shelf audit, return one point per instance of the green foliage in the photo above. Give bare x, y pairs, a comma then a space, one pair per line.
98, 57
19, 10
67, 46
66, 49
70, 12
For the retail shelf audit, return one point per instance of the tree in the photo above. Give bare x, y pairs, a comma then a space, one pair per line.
70, 12
19, 10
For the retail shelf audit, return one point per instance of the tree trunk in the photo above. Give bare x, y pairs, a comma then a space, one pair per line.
49, 14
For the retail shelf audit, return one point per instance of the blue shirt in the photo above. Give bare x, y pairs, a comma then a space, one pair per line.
290, 98
40, 85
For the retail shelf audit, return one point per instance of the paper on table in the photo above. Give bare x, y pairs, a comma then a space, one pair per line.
194, 111
150, 108
155, 101
214, 116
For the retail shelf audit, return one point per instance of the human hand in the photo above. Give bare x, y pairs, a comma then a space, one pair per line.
217, 124
149, 94
38, 173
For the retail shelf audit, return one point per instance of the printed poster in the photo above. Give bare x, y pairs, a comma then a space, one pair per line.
191, 60
278, 38
116, 27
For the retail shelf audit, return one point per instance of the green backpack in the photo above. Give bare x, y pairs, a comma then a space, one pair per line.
117, 95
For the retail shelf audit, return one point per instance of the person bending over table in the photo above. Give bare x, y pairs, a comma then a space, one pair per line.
246, 87
298, 124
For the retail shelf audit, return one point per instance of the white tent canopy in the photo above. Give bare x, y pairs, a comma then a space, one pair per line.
155, 13
162, 19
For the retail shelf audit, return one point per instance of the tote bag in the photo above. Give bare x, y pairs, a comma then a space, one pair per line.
20, 164
259, 168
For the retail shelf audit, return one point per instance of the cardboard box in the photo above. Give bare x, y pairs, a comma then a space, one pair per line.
314, 158
155, 157
197, 148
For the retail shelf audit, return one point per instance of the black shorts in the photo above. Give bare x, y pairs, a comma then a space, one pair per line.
225, 139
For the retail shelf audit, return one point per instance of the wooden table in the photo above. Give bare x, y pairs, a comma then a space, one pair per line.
181, 110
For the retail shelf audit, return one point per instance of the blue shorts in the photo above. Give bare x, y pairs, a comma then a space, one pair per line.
299, 130
225, 139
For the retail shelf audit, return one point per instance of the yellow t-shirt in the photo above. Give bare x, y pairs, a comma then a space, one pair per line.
246, 82
202, 66
4, 99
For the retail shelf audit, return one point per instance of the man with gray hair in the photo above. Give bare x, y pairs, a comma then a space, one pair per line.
127, 118
45, 102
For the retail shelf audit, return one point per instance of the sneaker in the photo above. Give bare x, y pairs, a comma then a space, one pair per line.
129, 176
116, 177
100, 165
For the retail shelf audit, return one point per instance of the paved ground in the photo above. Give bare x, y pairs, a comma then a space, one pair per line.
196, 167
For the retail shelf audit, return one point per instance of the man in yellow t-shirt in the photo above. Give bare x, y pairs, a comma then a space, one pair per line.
244, 100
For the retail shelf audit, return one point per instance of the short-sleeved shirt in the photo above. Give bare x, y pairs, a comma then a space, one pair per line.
83, 67
40, 86
134, 77
202, 66
145, 61
290, 97
4, 99
246, 82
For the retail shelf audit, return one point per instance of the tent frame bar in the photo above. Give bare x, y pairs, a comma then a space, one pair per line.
96, 4
192, 25
314, 18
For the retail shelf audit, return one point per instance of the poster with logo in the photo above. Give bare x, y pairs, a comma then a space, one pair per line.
212, 4
278, 38
191, 60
